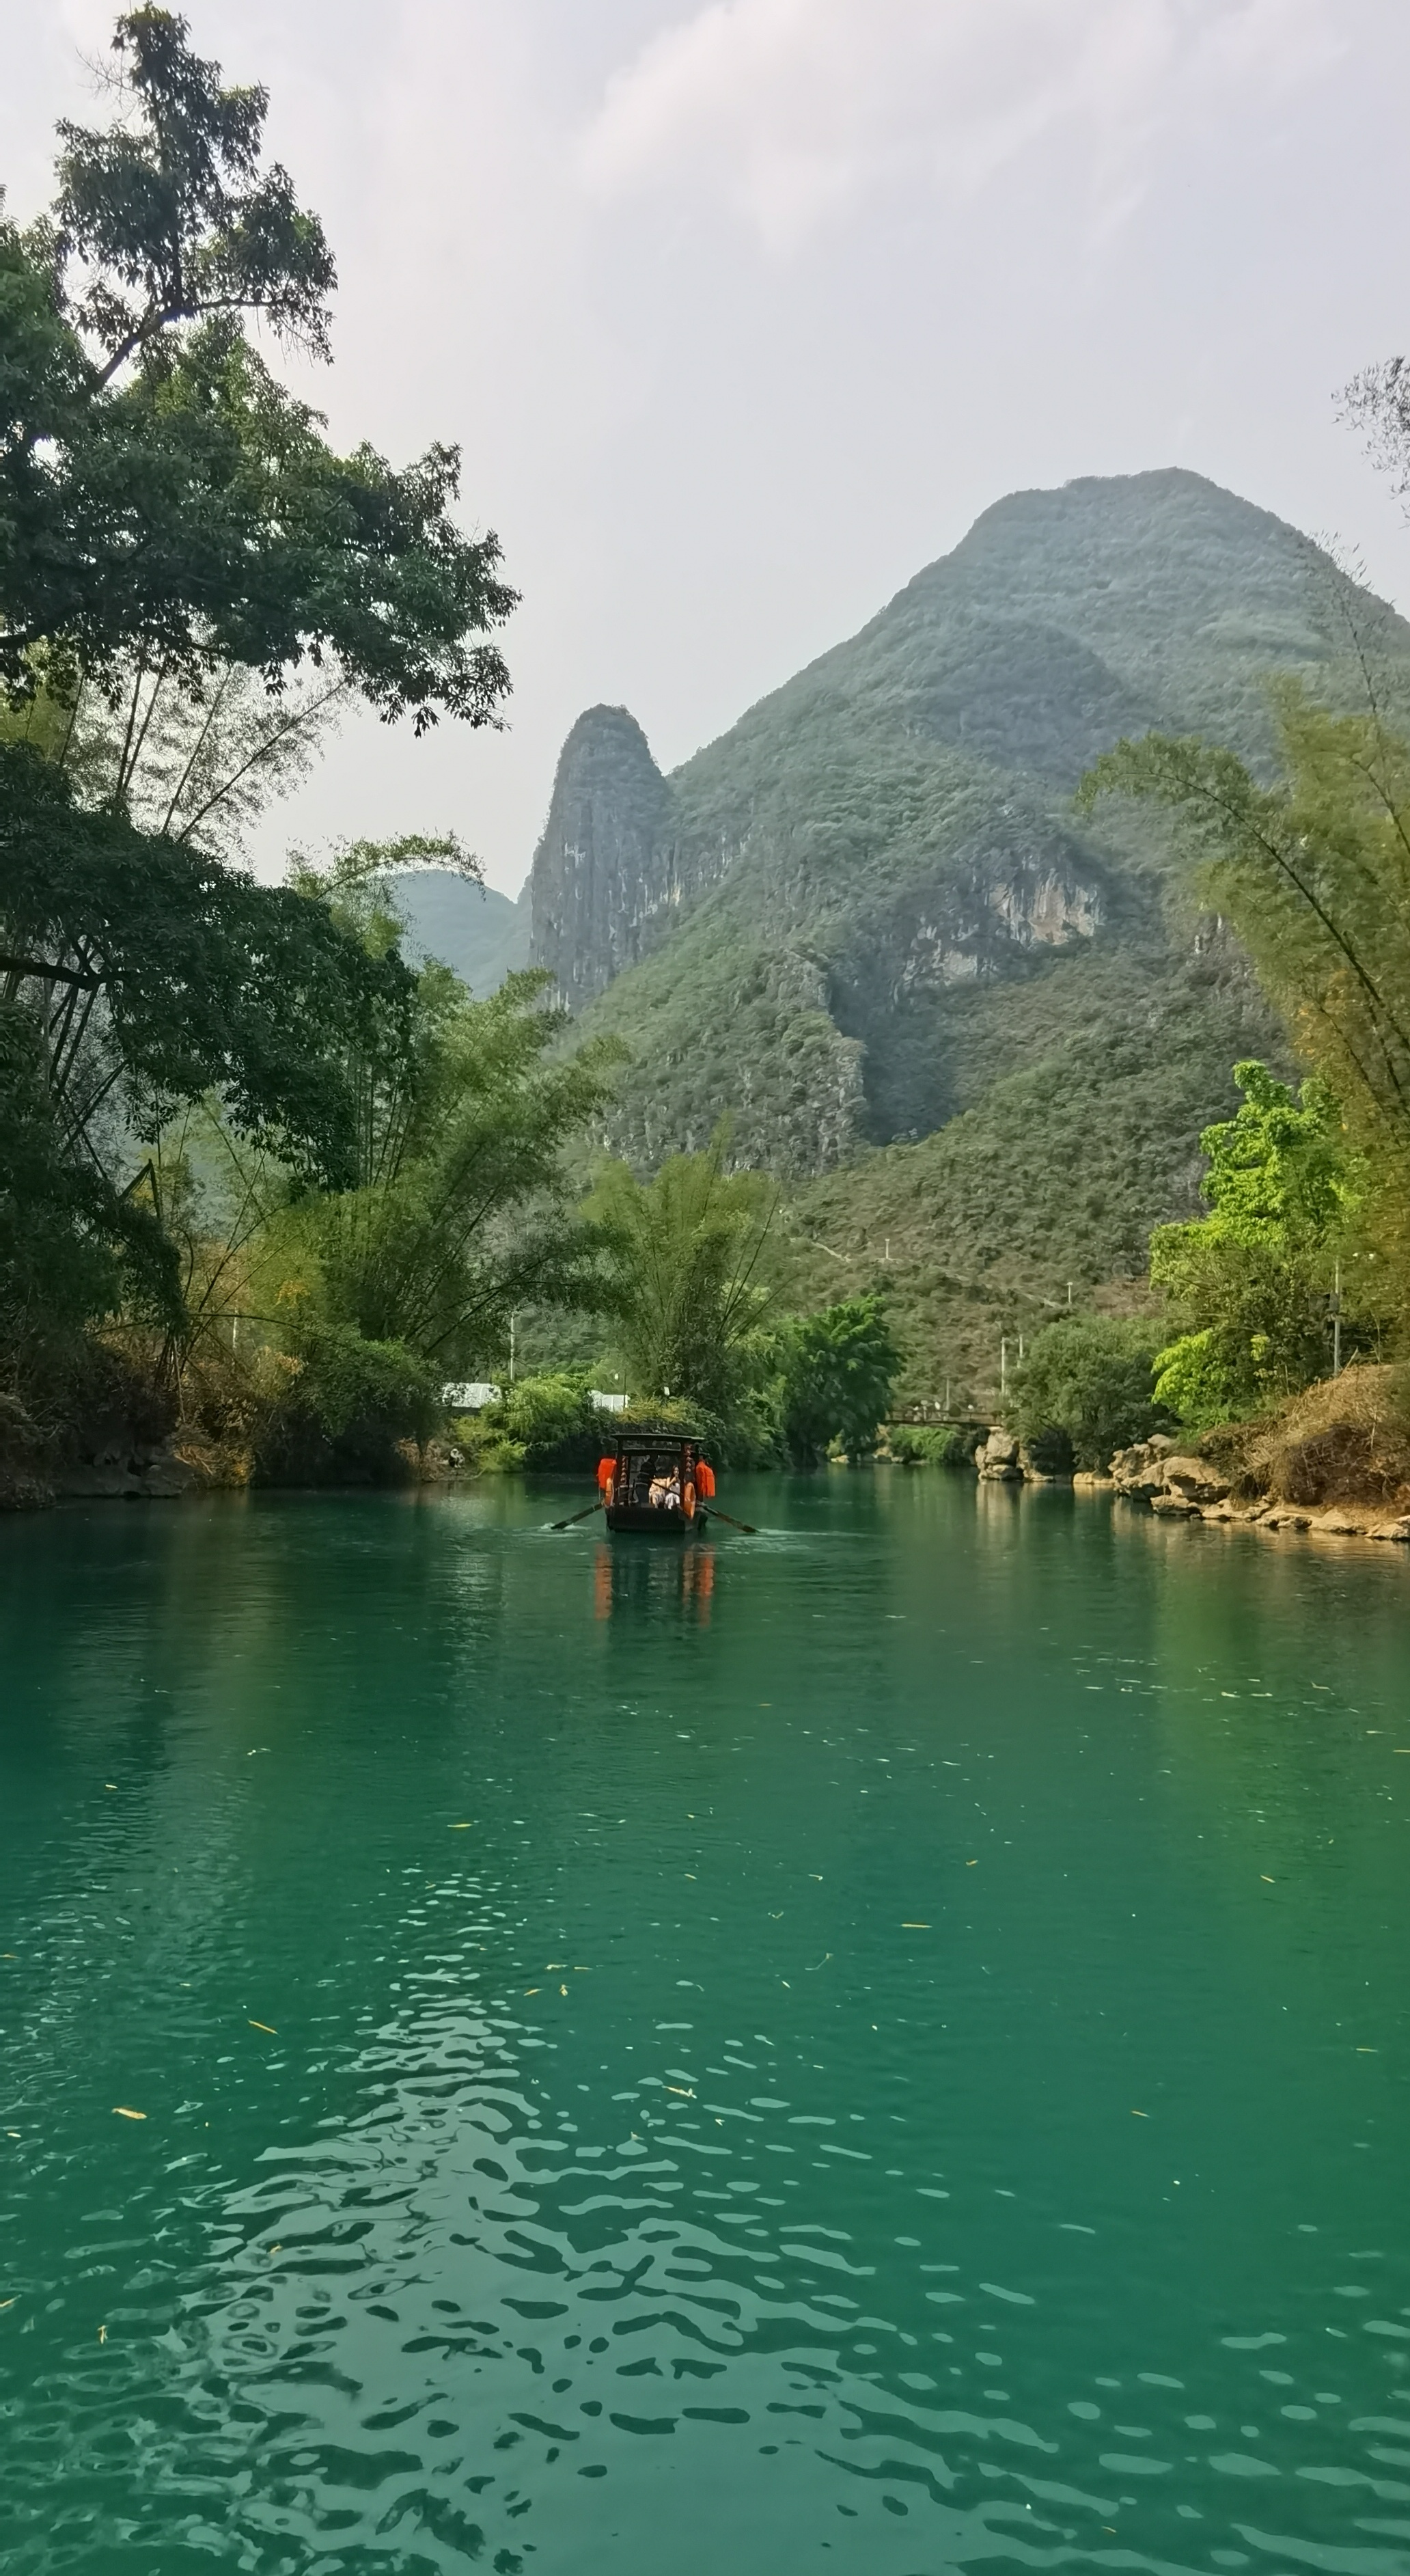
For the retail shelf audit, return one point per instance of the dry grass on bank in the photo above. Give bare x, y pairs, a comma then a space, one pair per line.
1344, 1441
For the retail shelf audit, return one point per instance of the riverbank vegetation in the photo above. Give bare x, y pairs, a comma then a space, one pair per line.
1302, 1263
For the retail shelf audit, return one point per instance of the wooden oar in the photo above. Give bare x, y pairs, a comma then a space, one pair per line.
712, 1512
577, 1516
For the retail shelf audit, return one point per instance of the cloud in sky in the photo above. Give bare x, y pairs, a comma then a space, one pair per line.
793, 111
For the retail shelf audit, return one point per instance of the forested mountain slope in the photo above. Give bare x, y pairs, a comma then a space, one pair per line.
469, 927
868, 911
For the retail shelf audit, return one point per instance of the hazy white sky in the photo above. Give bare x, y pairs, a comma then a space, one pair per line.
742, 312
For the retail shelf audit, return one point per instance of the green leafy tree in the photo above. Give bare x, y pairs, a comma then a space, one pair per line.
838, 1369
1314, 874
1084, 1390
147, 970
920, 1444
457, 1212
178, 542
551, 1419
684, 1258
161, 494
346, 1406
1254, 1278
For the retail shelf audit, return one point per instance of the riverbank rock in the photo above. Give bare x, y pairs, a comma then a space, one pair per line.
123, 1474
1087, 1481
1034, 1474
1196, 1480
1140, 1471
1170, 1480
997, 1459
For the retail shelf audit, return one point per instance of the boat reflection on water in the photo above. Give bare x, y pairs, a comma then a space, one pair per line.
638, 1579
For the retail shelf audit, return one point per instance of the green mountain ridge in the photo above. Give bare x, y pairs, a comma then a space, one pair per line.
868, 915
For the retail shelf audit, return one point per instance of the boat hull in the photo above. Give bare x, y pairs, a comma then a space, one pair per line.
641, 1521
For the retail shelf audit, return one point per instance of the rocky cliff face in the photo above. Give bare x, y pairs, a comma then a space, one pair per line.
605, 877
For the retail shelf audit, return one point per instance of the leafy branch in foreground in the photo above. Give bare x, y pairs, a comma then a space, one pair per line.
1314, 875
149, 975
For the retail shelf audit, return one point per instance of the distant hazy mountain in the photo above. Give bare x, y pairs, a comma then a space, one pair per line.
868, 916
479, 933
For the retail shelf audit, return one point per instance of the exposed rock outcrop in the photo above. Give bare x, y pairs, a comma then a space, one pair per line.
1195, 1480
998, 1459
605, 878
1155, 1472
1139, 1472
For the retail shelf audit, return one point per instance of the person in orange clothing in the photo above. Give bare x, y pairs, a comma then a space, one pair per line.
704, 1480
606, 1479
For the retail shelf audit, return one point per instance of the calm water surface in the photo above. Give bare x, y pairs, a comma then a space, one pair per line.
881, 2046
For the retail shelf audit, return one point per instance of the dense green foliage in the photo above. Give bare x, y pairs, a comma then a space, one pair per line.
159, 489
683, 1263
933, 1444
176, 540
359, 1395
548, 1421
148, 969
1083, 1390
70, 1245
835, 1373
1254, 1279
457, 1213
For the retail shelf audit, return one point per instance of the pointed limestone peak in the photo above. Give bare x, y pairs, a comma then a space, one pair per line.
602, 871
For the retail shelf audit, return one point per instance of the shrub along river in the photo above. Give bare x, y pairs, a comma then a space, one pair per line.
881, 2045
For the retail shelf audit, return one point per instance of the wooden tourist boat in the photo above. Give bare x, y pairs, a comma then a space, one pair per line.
654, 1480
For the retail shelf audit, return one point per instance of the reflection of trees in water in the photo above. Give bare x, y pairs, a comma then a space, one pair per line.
652, 1576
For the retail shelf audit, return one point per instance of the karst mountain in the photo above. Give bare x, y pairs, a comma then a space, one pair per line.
975, 1034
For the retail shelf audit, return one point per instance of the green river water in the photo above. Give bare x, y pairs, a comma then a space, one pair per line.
879, 2046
